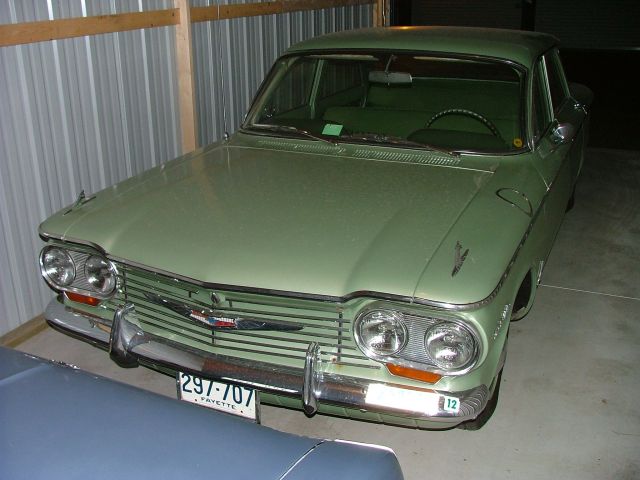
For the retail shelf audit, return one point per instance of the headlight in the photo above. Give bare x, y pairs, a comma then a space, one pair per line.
57, 267
450, 346
380, 333
100, 274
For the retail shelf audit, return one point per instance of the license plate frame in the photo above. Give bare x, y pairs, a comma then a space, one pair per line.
219, 396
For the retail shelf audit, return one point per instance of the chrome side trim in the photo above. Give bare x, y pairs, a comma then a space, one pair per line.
130, 343
63, 238
501, 196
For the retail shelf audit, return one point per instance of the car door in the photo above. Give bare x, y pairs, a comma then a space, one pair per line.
557, 138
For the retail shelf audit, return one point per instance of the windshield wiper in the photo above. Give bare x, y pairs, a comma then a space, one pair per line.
393, 140
289, 128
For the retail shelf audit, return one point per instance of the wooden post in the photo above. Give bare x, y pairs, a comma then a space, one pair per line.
186, 84
380, 14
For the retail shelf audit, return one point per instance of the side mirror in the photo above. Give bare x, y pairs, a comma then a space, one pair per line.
562, 133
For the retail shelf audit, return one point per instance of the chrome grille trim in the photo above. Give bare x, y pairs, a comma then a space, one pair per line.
416, 328
323, 323
267, 337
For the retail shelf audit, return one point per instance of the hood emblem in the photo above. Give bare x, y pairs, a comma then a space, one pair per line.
217, 320
81, 200
459, 259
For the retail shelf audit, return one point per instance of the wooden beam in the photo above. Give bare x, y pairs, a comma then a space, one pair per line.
30, 32
226, 12
300, 5
24, 332
223, 12
186, 84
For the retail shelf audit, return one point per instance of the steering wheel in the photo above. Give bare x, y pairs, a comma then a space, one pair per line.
467, 113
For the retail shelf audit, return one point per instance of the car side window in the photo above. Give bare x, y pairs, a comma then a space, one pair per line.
540, 115
556, 78
295, 88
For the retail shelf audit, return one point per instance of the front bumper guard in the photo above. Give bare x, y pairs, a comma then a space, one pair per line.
129, 346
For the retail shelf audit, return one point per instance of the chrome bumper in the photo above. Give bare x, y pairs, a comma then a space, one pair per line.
129, 346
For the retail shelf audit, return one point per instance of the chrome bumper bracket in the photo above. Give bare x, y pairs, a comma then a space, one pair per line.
124, 336
309, 387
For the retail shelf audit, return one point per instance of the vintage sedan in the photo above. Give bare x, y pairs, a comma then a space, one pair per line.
360, 245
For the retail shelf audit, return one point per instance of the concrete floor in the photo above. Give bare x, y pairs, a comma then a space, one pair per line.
569, 400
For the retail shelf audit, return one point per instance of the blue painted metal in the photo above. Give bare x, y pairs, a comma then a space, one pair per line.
78, 425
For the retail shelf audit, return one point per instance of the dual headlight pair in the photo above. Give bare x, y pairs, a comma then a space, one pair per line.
78, 272
450, 347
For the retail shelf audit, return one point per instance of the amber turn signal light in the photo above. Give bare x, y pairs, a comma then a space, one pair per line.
413, 373
77, 297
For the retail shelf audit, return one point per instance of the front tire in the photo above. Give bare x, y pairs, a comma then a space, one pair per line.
478, 422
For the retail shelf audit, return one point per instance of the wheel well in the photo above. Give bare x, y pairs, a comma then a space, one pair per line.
523, 297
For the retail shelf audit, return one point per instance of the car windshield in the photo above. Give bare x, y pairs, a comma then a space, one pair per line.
401, 99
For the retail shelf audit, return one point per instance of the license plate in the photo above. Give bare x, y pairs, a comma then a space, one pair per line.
225, 397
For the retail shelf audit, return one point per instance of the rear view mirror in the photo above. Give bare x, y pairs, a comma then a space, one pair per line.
390, 78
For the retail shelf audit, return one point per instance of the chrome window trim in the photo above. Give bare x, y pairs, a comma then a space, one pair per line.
245, 126
551, 59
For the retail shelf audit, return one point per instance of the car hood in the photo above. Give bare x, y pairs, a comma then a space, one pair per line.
324, 224
85, 426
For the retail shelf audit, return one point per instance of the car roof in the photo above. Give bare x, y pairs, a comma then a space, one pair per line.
514, 45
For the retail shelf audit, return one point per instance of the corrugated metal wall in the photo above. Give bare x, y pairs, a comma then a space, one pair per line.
233, 56
86, 113
75, 114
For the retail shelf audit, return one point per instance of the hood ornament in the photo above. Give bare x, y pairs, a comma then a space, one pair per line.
81, 200
217, 320
459, 259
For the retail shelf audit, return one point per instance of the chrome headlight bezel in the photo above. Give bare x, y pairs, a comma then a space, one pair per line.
416, 322
111, 271
394, 318
80, 284
475, 347
45, 269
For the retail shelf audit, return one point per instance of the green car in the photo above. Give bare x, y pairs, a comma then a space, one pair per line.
358, 248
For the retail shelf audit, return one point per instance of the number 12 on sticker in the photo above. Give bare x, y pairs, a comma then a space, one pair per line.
451, 404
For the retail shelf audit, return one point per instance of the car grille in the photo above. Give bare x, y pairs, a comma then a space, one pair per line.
323, 322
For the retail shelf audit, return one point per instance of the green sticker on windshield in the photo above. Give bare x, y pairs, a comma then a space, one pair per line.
332, 129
